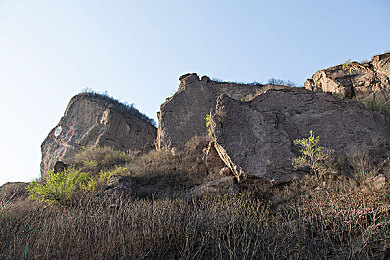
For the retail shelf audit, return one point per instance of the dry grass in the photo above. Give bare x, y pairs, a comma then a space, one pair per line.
329, 216
162, 174
95, 159
157, 173
222, 227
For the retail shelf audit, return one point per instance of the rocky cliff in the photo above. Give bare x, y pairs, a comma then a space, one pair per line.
95, 120
256, 137
353, 80
254, 125
182, 116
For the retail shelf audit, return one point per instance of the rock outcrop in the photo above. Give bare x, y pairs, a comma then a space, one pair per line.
256, 137
182, 116
356, 80
95, 120
120, 185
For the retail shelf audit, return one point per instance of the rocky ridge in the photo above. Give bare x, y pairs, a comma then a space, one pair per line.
353, 80
252, 126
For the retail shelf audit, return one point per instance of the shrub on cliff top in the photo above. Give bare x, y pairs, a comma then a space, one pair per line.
125, 107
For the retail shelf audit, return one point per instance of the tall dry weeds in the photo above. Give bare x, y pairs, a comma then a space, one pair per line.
319, 217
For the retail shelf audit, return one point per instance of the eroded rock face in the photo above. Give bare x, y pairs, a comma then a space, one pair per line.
94, 120
182, 116
256, 137
355, 81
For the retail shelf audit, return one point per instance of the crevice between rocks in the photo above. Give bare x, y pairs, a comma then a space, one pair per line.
235, 169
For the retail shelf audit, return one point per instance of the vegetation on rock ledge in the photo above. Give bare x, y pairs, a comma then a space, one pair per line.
124, 107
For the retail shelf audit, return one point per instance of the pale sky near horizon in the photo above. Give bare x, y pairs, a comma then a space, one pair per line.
136, 50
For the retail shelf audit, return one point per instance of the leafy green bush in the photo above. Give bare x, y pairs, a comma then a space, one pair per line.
208, 122
314, 156
60, 188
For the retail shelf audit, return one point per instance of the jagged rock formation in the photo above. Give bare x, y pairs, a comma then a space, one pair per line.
256, 137
182, 116
354, 80
95, 120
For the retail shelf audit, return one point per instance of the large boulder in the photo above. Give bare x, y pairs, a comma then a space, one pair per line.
256, 137
355, 80
182, 116
95, 120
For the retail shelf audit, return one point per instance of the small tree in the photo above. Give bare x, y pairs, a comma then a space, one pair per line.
317, 158
61, 187
208, 123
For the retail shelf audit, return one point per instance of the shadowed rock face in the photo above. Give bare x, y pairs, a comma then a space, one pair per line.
256, 137
182, 116
94, 121
358, 81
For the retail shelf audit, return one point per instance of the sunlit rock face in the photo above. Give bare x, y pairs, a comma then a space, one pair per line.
355, 80
182, 116
256, 137
95, 120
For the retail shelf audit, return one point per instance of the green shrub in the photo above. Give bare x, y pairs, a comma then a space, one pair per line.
60, 188
208, 122
317, 158
101, 178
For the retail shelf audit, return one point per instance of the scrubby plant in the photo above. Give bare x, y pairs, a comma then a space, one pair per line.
314, 156
61, 187
123, 107
339, 96
208, 123
346, 64
95, 159
217, 80
275, 81
255, 83
3, 206
296, 220
104, 175
375, 105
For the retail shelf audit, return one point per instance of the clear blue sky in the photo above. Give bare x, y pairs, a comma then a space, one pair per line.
136, 50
